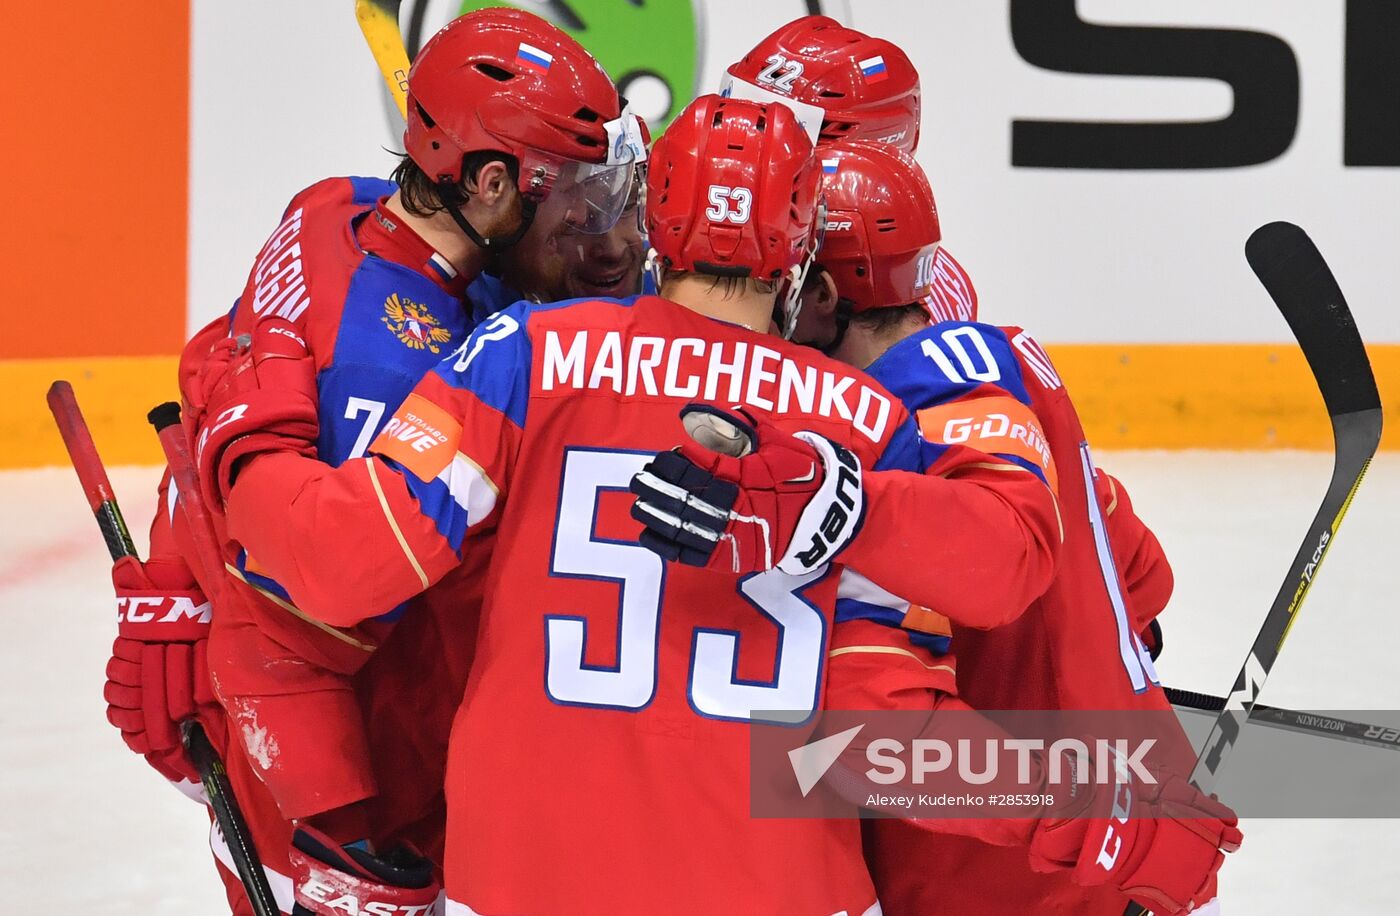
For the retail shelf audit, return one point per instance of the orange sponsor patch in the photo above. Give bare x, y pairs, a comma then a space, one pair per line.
922, 620
421, 436
999, 425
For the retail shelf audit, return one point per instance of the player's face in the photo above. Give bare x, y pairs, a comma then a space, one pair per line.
555, 261
816, 323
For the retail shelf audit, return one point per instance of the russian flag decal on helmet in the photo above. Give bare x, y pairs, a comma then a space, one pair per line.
874, 69
534, 58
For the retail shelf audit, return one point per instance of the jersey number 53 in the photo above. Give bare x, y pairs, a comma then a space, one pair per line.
713, 687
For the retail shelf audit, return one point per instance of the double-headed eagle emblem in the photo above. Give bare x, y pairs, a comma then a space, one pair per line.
413, 324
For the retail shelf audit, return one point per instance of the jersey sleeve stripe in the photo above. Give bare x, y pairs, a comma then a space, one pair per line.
855, 587
848, 609
471, 487
297, 612
888, 650
394, 525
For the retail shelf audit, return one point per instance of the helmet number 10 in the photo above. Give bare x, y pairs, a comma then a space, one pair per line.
731, 205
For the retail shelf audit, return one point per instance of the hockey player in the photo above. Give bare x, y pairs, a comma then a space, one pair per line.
846, 85
556, 261
521, 432
1077, 647
852, 86
324, 729
599, 667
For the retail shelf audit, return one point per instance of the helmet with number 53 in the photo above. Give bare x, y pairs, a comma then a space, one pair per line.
732, 191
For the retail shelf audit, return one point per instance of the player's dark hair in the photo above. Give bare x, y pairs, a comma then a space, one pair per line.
881, 320
727, 287
420, 195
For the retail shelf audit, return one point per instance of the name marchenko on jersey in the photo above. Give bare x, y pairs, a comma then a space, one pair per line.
718, 371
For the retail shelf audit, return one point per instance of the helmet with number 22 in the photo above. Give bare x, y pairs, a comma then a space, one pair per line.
855, 86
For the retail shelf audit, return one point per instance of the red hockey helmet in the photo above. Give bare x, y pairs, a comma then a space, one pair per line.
732, 190
882, 231
507, 81
861, 87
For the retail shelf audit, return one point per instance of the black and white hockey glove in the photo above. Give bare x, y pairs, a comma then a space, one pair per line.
770, 500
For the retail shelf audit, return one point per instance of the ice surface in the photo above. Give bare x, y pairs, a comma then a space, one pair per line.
88, 828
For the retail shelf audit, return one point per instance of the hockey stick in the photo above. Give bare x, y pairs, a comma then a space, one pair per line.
166, 420
63, 404
98, 489
379, 22
1302, 286
1305, 723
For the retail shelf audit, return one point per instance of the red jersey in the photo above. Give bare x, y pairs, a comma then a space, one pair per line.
1076, 647
952, 296
599, 761
324, 717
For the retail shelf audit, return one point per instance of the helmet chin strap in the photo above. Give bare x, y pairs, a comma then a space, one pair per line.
453, 199
791, 295
652, 265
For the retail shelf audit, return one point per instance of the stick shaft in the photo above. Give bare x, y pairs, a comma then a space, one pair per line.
379, 21
1307, 723
82, 452
166, 420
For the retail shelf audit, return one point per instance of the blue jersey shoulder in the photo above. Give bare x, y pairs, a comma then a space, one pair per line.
395, 326
947, 361
496, 361
367, 191
489, 294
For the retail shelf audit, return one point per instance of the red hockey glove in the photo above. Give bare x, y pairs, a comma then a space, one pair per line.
158, 675
1161, 845
332, 880
253, 394
772, 500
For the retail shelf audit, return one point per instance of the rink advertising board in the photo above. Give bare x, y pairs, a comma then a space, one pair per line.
1098, 166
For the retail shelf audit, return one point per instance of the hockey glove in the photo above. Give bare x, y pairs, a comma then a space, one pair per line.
770, 500
158, 675
1160, 844
332, 880
253, 394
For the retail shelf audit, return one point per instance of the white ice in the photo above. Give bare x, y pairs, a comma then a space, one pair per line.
88, 828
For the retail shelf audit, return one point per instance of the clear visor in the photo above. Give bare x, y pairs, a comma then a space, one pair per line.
589, 197
585, 197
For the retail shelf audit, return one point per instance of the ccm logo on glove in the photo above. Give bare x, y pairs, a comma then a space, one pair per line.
231, 415
160, 609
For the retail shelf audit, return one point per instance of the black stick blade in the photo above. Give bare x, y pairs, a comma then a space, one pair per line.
1302, 286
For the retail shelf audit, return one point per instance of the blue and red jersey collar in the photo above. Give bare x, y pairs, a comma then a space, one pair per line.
385, 234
